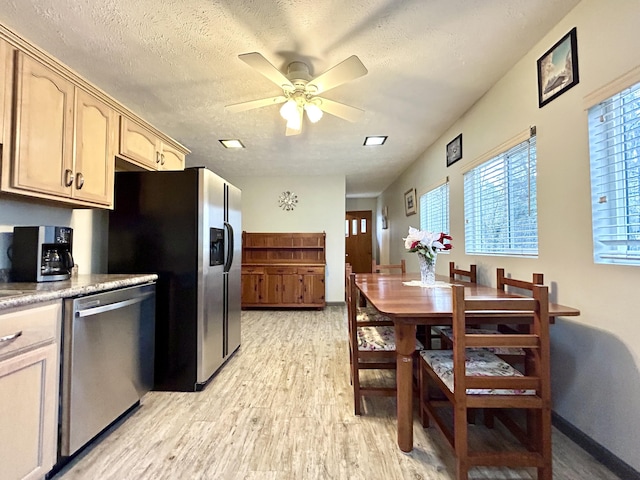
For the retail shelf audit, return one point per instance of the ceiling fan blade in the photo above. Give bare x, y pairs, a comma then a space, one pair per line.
263, 102
263, 66
295, 128
345, 71
338, 109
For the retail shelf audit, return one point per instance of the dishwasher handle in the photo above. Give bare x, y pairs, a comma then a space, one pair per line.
113, 306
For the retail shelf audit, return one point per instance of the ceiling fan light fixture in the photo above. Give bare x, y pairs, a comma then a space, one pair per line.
295, 121
289, 110
313, 112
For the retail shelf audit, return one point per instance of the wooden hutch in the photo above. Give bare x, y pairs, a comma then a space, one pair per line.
283, 270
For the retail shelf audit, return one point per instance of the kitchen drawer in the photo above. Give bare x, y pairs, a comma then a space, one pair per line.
252, 270
38, 325
281, 270
311, 271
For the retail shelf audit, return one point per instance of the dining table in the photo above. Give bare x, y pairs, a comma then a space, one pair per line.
409, 303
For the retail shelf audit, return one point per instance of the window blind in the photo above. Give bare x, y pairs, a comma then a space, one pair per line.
500, 205
434, 209
614, 145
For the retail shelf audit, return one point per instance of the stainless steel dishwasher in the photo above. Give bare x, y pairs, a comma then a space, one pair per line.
107, 361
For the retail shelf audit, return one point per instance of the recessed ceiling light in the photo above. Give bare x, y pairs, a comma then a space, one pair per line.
375, 140
231, 143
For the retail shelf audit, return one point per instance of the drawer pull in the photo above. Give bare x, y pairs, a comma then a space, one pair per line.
13, 336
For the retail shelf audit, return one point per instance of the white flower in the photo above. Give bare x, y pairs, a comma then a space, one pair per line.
426, 243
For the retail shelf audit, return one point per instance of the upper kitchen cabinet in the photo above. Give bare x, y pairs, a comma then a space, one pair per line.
5, 86
144, 148
96, 131
42, 154
64, 138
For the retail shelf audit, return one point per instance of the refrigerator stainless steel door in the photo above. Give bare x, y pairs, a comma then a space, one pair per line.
210, 277
234, 218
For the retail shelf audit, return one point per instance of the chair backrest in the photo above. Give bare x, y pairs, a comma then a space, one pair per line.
538, 372
471, 274
504, 282
395, 268
348, 269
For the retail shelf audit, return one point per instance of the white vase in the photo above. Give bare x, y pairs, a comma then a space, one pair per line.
427, 269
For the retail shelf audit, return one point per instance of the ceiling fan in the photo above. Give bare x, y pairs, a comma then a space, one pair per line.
300, 91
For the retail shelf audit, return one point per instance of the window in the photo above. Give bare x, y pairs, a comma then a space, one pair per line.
614, 144
434, 209
500, 210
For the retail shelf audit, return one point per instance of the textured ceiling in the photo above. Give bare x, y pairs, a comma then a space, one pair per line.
175, 63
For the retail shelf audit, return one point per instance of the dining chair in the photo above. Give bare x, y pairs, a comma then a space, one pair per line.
389, 268
470, 376
514, 356
371, 347
471, 274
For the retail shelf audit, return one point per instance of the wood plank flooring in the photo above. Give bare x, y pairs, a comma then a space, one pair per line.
282, 409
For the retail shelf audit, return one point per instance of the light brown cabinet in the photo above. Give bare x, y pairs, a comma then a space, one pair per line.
52, 116
145, 149
29, 390
60, 135
283, 270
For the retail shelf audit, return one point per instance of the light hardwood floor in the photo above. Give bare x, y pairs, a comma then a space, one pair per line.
282, 408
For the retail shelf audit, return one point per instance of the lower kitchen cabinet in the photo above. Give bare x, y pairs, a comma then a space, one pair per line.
252, 285
29, 375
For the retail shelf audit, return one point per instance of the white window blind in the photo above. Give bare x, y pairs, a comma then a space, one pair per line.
500, 207
434, 209
614, 144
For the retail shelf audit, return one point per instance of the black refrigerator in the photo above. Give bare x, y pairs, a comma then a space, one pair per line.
186, 227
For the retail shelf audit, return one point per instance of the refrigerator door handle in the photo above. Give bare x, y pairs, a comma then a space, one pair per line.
229, 260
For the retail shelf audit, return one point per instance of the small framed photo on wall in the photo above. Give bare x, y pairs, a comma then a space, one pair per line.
454, 150
558, 69
410, 207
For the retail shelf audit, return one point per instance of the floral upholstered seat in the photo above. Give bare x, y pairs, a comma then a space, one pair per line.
382, 338
448, 332
478, 363
370, 314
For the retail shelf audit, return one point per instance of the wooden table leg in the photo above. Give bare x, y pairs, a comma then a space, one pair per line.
405, 348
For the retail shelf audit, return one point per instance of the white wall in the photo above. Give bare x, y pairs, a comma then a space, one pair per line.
596, 356
321, 208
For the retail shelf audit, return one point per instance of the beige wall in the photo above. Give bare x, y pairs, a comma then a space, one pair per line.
595, 357
321, 207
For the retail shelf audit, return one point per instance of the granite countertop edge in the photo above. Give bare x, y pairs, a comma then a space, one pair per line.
32, 293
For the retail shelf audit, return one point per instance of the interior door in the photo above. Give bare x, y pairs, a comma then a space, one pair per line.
358, 240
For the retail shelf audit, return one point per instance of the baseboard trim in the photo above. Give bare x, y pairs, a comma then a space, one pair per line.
600, 453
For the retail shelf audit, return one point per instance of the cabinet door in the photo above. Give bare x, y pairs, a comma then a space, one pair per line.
273, 289
96, 130
251, 289
43, 129
28, 422
313, 289
171, 158
5, 87
139, 144
291, 289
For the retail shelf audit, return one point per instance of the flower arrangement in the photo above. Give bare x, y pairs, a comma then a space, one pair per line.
427, 243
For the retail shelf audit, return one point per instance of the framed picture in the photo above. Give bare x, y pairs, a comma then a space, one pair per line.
558, 69
454, 150
410, 206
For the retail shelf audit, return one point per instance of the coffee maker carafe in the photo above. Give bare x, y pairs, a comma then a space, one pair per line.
42, 253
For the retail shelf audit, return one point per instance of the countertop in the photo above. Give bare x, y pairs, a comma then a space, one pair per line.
21, 294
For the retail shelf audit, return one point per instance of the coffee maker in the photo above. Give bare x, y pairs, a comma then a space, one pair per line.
41, 254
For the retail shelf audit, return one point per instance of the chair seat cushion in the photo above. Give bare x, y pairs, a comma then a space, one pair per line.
478, 363
370, 314
375, 339
448, 332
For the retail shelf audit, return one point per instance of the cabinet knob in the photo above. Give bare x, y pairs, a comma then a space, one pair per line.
157, 157
68, 178
162, 159
79, 181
